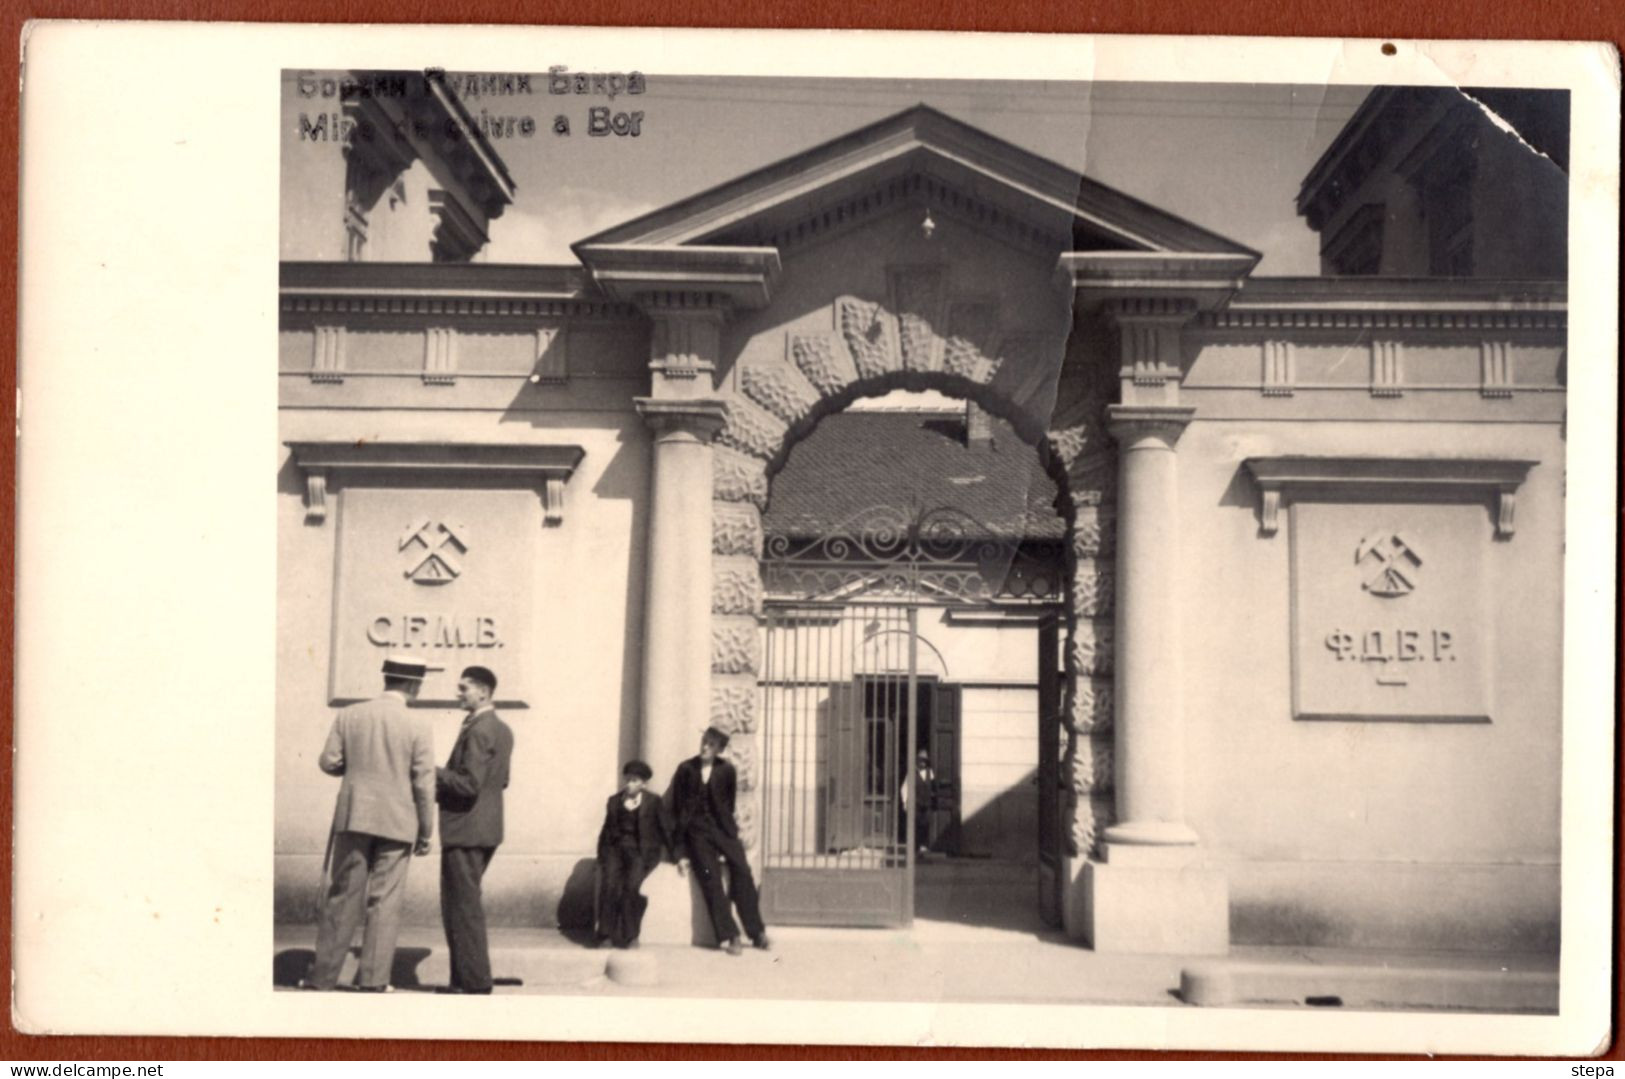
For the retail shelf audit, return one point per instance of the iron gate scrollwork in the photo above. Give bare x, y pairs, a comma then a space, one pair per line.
937, 555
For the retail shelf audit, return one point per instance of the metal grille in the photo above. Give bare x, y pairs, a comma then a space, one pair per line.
909, 554
840, 718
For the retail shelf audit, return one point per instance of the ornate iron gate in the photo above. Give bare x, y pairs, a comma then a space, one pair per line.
841, 699
840, 710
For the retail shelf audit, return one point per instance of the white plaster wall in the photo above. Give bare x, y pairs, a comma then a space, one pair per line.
1370, 832
583, 663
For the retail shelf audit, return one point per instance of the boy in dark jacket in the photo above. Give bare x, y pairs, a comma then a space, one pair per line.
632, 842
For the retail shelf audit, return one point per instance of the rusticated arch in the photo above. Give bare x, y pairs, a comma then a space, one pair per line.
1053, 394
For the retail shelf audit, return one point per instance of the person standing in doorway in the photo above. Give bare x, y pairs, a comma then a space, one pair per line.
469, 789
924, 779
631, 843
701, 798
384, 814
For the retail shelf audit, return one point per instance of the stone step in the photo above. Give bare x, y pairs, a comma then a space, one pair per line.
1456, 986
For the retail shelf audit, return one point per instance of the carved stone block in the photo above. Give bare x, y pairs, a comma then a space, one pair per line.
1093, 589
1090, 819
1091, 765
1070, 443
739, 477
1093, 705
752, 429
973, 329
733, 703
1092, 646
736, 529
779, 389
870, 333
823, 359
735, 648
736, 585
1094, 533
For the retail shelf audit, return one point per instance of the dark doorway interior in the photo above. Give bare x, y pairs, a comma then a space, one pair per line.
936, 828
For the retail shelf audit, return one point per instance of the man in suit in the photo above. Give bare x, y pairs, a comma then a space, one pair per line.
631, 843
469, 789
384, 814
701, 797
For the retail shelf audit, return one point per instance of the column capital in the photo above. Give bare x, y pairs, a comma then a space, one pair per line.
690, 420
1134, 425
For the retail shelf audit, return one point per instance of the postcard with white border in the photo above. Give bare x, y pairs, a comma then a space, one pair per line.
817, 537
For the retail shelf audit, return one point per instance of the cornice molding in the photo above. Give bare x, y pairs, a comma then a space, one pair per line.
474, 290
644, 274
1203, 280
328, 464
1387, 479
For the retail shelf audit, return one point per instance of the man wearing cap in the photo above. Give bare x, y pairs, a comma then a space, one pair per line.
701, 796
384, 814
469, 789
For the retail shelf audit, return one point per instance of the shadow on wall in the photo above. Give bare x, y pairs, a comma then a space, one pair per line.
1005, 827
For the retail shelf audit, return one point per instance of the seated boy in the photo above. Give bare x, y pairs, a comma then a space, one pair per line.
632, 842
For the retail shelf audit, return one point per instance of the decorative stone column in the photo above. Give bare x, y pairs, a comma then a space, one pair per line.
1150, 891
1149, 746
1149, 887
677, 607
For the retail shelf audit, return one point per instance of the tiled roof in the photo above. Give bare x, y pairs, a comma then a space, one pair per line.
856, 460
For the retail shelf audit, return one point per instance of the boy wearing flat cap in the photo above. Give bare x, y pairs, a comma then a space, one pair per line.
384, 814
702, 805
469, 789
631, 843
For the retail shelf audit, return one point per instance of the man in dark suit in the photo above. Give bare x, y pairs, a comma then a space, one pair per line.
631, 843
384, 815
701, 799
469, 789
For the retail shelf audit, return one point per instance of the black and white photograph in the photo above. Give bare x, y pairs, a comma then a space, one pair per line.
868, 549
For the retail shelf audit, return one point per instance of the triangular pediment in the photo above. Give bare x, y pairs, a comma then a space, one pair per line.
921, 156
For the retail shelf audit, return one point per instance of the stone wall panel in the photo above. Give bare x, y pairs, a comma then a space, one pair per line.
735, 648
736, 586
739, 477
823, 360
779, 389
752, 429
736, 529
733, 703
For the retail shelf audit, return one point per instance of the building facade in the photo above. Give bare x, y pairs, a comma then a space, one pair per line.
1307, 627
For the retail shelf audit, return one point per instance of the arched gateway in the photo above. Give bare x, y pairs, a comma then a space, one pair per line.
921, 253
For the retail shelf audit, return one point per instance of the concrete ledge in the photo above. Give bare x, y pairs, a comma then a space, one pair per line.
1219, 982
1143, 909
